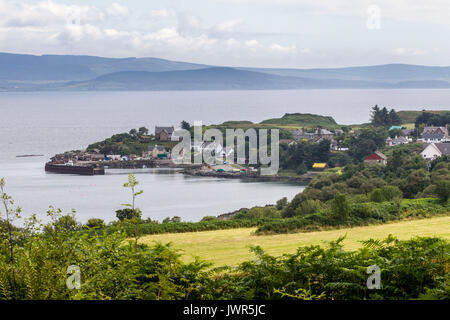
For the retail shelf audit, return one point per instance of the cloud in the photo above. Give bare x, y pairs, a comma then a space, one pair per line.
252, 43
277, 48
413, 51
229, 26
430, 11
45, 13
49, 26
163, 13
233, 43
118, 10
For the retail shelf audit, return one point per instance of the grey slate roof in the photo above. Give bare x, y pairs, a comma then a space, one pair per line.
169, 130
434, 133
444, 148
323, 132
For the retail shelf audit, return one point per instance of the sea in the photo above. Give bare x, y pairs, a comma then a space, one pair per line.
46, 123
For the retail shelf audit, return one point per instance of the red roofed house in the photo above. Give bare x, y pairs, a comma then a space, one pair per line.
376, 157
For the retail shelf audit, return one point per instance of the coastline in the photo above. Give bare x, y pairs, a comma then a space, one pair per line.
251, 176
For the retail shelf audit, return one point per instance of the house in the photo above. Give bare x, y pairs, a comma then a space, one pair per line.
96, 156
335, 146
113, 157
302, 135
318, 166
155, 152
289, 142
436, 150
408, 132
435, 134
376, 157
396, 141
395, 128
324, 133
164, 133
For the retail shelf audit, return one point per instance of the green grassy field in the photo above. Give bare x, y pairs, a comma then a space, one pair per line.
410, 116
230, 247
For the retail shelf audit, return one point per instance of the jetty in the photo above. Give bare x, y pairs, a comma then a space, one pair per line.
90, 168
74, 169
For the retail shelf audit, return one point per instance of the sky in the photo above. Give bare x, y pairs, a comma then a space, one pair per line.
250, 33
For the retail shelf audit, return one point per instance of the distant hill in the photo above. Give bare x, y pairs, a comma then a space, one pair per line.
212, 78
392, 73
20, 72
237, 123
302, 119
23, 67
411, 116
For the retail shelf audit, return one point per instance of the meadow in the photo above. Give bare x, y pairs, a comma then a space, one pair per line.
231, 247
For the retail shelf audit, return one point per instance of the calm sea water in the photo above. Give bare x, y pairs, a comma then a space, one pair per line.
52, 122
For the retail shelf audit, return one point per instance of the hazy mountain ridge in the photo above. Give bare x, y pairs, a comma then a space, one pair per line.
213, 78
22, 67
66, 72
386, 73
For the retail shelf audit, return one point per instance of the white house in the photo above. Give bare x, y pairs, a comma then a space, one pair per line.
435, 150
154, 151
435, 134
397, 141
213, 148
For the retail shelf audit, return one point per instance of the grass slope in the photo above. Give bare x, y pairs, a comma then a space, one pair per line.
230, 247
303, 119
408, 117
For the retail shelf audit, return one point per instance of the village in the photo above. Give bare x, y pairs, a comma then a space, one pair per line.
158, 148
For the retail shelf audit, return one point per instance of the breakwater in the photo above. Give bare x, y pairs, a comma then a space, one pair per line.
250, 176
81, 170
91, 168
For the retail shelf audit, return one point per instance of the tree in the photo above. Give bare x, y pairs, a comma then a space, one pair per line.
384, 118
95, 224
376, 196
391, 192
133, 132
135, 213
414, 183
132, 183
375, 116
340, 206
67, 223
394, 118
281, 204
8, 233
396, 133
124, 214
442, 190
432, 119
367, 142
175, 219
143, 131
385, 193
185, 125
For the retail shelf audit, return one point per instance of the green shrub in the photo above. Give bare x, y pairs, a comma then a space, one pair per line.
281, 204
128, 214
385, 193
308, 207
95, 224
442, 190
340, 207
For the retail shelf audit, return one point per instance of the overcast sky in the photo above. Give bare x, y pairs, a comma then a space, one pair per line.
258, 33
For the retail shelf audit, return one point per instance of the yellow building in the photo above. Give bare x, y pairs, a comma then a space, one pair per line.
319, 166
